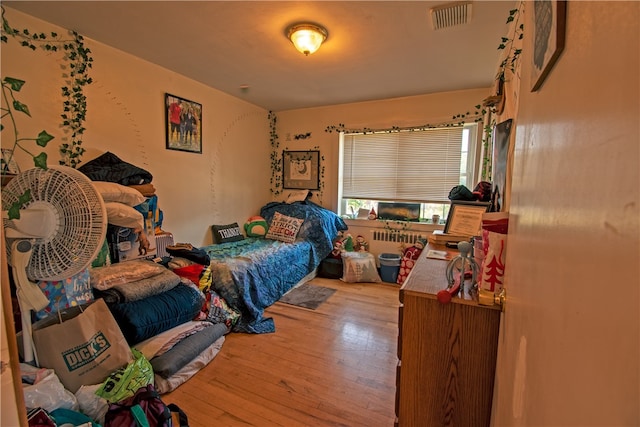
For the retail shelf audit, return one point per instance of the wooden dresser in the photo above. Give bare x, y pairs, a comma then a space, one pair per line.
447, 353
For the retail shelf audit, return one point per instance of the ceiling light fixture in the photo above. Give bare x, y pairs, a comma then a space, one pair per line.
307, 37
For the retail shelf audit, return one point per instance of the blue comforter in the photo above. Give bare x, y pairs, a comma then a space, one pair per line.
253, 273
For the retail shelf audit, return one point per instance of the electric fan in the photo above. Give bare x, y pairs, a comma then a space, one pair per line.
60, 231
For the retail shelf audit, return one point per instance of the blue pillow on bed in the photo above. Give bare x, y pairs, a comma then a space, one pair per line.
226, 233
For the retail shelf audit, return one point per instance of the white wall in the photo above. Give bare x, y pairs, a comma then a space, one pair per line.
570, 345
228, 182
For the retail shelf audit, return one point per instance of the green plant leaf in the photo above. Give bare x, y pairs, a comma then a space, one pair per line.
43, 138
14, 209
40, 161
19, 106
6, 27
15, 84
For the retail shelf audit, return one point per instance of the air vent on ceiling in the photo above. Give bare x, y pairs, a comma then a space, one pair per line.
451, 14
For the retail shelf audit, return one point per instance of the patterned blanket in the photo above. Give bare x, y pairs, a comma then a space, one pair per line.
253, 273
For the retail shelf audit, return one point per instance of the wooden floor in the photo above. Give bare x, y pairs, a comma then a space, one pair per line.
333, 366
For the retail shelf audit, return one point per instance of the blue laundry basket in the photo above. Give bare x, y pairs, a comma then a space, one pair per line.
389, 267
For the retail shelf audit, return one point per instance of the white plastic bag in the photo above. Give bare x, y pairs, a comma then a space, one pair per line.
45, 390
91, 404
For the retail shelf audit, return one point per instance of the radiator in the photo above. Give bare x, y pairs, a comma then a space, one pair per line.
390, 241
163, 240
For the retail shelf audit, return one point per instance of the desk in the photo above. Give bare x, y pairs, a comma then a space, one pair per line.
447, 352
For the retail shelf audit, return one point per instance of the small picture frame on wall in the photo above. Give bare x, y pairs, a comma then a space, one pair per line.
183, 124
549, 21
300, 170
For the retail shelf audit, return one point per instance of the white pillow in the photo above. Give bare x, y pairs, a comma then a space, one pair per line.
114, 192
359, 267
297, 196
284, 228
124, 216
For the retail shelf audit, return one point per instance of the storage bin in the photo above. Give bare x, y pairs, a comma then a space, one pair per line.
330, 268
389, 267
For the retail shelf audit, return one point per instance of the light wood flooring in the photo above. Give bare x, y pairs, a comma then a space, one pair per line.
333, 366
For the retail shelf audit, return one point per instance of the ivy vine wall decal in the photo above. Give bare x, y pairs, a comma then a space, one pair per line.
78, 60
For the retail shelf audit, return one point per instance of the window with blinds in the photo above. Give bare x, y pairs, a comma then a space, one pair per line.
414, 166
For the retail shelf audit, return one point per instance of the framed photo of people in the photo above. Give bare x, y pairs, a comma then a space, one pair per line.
300, 170
183, 124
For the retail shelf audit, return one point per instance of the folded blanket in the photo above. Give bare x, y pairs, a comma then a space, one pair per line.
150, 316
109, 167
146, 190
140, 289
120, 273
165, 385
155, 345
186, 350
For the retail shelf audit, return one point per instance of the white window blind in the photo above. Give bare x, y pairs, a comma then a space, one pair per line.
414, 166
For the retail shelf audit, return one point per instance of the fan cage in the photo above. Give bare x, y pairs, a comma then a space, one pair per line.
81, 220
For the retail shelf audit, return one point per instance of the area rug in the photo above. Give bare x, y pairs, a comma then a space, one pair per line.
307, 296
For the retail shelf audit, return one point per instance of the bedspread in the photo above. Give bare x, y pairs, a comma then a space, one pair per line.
253, 273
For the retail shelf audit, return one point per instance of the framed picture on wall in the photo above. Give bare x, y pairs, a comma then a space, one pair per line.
548, 38
300, 170
183, 124
501, 137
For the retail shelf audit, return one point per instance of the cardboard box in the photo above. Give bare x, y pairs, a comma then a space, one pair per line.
124, 244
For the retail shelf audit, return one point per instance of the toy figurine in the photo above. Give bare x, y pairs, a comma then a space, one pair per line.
462, 267
409, 258
337, 249
347, 243
361, 244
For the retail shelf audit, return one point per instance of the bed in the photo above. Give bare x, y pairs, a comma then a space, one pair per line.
253, 273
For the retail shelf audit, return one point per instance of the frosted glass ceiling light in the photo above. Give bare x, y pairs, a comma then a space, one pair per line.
307, 38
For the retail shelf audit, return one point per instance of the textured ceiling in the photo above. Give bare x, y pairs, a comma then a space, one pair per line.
375, 49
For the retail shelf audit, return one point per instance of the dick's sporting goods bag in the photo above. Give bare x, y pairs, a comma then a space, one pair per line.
82, 344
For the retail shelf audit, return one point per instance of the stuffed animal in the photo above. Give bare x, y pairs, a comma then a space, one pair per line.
361, 244
409, 258
337, 249
347, 243
256, 226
